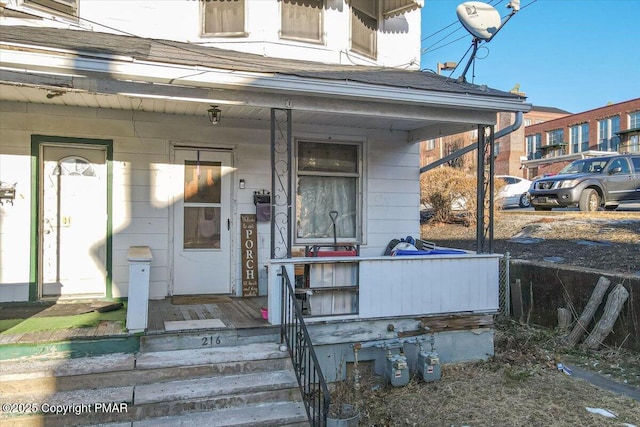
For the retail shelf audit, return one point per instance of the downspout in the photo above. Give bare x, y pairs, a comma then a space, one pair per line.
502, 132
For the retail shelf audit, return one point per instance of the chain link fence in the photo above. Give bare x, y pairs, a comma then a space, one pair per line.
504, 294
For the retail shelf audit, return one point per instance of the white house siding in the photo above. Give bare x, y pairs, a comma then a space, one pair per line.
15, 167
398, 37
142, 145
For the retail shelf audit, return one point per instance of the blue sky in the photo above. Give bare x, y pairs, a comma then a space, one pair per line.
576, 55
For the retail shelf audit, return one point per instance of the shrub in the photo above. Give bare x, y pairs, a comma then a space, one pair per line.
446, 189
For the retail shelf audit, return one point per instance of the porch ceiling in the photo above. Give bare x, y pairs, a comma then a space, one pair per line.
418, 127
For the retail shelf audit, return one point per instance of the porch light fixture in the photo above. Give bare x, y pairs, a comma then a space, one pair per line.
214, 114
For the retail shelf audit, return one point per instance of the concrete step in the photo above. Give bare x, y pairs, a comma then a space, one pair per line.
199, 339
42, 377
208, 387
166, 384
264, 415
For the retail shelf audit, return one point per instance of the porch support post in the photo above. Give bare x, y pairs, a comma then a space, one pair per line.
281, 221
486, 154
480, 190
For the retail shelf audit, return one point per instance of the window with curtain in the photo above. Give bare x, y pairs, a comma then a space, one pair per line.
364, 27
328, 179
223, 17
59, 7
301, 20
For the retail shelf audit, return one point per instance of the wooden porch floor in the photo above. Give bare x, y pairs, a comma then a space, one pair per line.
234, 313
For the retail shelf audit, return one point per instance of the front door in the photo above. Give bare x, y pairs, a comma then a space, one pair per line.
73, 221
202, 222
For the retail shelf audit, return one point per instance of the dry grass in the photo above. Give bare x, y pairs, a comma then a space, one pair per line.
519, 386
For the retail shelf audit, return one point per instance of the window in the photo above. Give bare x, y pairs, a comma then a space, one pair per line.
634, 120
527, 122
634, 144
202, 204
534, 143
579, 135
607, 130
328, 179
59, 7
364, 27
301, 20
431, 144
555, 137
223, 17
622, 164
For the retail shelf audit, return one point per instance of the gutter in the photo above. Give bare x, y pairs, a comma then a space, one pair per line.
502, 132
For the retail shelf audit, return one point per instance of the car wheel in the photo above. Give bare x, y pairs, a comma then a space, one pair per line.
524, 201
610, 207
541, 208
589, 200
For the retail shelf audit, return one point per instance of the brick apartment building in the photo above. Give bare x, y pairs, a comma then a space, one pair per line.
552, 144
549, 139
510, 150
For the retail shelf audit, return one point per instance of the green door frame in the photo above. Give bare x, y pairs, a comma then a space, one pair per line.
36, 142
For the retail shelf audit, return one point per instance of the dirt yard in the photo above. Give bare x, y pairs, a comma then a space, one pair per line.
607, 241
521, 385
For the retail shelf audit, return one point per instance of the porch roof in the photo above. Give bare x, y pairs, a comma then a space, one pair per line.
135, 61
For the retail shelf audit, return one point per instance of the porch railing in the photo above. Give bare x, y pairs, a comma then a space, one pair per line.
293, 331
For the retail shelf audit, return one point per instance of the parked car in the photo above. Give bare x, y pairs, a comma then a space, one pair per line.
590, 184
515, 191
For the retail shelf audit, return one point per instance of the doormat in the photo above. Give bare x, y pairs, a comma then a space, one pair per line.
199, 299
182, 325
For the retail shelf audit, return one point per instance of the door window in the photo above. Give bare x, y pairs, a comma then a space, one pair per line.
202, 190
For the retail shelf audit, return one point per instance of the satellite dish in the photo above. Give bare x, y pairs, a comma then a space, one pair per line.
481, 20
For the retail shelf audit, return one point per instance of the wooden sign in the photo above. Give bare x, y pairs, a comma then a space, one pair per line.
249, 243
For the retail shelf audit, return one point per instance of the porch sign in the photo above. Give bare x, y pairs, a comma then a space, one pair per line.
249, 240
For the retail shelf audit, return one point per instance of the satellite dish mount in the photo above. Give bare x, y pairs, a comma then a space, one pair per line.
483, 22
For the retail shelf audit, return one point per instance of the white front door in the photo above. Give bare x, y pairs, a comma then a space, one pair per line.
73, 221
202, 222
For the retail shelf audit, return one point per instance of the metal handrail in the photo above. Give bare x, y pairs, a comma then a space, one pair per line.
293, 332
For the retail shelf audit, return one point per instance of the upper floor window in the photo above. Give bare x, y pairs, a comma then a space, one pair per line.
59, 7
527, 122
223, 17
555, 137
608, 140
634, 120
431, 144
364, 27
301, 20
534, 143
579, 135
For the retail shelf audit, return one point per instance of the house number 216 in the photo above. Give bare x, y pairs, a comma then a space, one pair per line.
209, 341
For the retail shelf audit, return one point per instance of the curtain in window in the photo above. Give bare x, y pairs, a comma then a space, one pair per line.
302, 19
364, 27
223, 16
317, 196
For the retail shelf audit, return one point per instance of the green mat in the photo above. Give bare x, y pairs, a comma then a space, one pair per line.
36, 324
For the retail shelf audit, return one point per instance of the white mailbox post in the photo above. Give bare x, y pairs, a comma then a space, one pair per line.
139, 258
